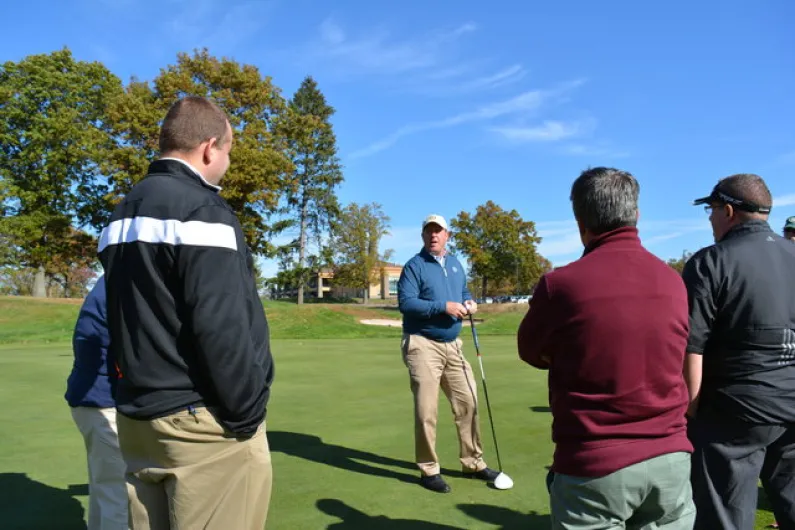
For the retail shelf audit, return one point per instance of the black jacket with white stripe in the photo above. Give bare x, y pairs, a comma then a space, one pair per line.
186, 324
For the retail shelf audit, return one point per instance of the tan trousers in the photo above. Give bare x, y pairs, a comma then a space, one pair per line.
430, 365
107, 494
185, 472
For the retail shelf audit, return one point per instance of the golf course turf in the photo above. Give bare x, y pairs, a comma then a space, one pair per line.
339, 422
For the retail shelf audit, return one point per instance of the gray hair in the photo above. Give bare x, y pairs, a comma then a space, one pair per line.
605, 199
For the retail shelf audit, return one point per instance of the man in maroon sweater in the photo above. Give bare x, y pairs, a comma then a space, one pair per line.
612, 328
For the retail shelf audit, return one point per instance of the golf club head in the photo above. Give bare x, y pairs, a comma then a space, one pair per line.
503, 482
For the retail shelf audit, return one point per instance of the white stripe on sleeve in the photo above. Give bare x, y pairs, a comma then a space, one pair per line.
169, 232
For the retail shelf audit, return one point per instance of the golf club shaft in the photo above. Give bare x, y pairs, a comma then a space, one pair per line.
485, 389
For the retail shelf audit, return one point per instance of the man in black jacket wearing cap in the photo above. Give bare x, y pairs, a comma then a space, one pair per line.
740, 363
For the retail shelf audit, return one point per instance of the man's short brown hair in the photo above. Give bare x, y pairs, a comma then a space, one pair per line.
748, 187
191, 121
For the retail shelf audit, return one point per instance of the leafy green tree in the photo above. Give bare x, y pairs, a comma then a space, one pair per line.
500, 247
260, 172
678, 264
17, 281
53, 135
72, 265
312, 146
357, 246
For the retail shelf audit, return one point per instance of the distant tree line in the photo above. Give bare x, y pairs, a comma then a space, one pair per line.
678, 264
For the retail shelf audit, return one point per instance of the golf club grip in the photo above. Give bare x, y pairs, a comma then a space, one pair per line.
474, 334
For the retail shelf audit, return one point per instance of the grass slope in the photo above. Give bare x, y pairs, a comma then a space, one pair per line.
29, 320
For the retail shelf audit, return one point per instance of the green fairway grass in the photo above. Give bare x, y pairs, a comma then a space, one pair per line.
339, 421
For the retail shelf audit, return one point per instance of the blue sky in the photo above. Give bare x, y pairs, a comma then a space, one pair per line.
442, 106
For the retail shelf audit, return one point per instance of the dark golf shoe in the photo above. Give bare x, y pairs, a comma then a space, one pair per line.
434, 483
486, 474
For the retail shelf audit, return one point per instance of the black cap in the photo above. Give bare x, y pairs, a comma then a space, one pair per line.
721, 196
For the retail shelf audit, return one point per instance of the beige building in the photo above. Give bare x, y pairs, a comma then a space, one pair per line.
384, 288
321, 285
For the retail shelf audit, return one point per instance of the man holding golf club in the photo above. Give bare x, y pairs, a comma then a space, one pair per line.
611, 328
740, 365
434, 300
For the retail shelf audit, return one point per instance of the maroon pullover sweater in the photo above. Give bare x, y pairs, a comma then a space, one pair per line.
611, 328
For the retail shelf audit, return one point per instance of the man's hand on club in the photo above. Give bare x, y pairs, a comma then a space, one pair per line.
456, 310
472, 306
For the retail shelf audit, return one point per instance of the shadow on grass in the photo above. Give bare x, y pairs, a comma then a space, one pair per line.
762, 502
28, 504
505, 517
312, 448
355, 519
541, 409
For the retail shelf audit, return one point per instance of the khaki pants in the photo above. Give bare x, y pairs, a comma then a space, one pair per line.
185, 472
107, 494
430, 365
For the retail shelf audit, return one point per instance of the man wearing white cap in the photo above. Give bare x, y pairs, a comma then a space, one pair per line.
434, 300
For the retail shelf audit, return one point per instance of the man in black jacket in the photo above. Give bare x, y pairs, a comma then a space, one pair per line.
189, 336
740, 365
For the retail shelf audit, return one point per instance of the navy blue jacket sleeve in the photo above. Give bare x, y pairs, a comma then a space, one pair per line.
99, 301
409, 300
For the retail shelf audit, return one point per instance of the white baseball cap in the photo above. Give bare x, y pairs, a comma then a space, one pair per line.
434, 218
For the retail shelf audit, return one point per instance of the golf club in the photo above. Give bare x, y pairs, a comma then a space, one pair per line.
503, 481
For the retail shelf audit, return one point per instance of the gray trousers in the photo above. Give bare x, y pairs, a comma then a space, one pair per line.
652, 494
729, 460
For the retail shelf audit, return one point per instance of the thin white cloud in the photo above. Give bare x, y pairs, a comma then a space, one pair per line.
464, 28
380, 53
548, 131
208, 23
332, 33
445, 74
451, 82
784, 200
526, 102
662, 237
561, 239
562, 245
429, 64
602, 151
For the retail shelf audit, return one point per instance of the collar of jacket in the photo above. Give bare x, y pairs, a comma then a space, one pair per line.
178, 168
429, 257
746, 228
626, 236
